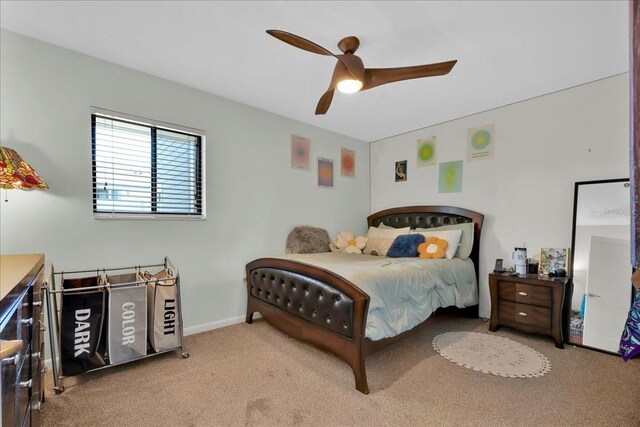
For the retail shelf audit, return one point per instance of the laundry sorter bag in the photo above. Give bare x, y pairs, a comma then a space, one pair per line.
82, 337
127, 336
163, 320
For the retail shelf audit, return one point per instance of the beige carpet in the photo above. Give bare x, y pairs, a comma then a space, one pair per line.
255, 375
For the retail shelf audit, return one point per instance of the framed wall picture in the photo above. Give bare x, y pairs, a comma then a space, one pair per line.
481, 142
552, 259
325, 173
450, 177
347, 162
299, 152
426, 152
401, 171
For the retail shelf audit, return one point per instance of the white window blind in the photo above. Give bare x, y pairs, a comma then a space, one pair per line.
145, 170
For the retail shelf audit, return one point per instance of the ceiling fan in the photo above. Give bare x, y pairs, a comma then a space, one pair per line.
350, 76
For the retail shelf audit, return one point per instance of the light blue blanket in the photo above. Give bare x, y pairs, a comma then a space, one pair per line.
403, 291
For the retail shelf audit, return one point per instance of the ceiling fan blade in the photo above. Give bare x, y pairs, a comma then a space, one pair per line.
379, 76
325, 102
299, 42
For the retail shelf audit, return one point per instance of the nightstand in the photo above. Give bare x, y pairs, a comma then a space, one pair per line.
530, 303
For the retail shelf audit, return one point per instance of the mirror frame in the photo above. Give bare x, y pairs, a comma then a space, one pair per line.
568, 310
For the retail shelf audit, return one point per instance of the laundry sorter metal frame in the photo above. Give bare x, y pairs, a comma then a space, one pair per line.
54, 291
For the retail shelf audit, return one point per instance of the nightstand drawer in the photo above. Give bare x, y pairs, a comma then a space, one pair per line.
525, 314
525, 294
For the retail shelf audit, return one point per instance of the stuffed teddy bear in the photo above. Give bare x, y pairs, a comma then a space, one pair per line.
346, 242
433, 248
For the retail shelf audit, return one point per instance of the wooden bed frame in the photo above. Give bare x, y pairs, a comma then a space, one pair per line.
317, 306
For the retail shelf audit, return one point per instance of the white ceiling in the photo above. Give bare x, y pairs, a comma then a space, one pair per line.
506, 51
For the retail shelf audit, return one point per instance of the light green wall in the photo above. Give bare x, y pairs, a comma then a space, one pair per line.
254, 198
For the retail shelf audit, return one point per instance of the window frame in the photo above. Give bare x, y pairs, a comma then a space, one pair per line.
154, 126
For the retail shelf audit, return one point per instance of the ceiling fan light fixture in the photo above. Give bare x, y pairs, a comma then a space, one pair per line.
349, 85
349, 73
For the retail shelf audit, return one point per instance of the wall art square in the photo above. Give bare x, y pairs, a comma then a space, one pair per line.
347, 162
426, 152
325, 173
299, 152
401, 171
481, 142
552, 259
450, 177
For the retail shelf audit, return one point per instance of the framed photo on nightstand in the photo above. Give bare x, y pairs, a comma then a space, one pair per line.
552, 259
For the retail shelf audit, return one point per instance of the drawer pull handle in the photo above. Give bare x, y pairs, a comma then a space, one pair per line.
25, 384
28, 321
10, 349
37, 304
524, 294
523, 314
35, 355
36, 406
13, 360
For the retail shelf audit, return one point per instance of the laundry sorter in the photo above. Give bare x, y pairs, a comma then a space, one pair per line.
105, 317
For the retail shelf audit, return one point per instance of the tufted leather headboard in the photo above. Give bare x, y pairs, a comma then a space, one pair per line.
432, 216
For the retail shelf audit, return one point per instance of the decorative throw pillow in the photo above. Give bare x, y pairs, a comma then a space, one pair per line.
433, 248
451, 236
466, 241
346, 242
387, 233
305, 239
405, 246
377, 246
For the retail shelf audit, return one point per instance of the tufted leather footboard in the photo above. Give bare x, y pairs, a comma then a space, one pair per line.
305, 297
313, 305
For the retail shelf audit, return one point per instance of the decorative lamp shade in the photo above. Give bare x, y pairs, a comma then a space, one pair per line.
15, 173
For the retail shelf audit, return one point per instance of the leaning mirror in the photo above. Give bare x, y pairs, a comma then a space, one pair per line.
601, 264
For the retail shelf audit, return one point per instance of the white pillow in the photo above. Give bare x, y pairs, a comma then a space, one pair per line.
387, 233
451, 236
383, 225
466, 241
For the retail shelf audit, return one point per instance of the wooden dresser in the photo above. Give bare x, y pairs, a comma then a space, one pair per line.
21, 335
530, 303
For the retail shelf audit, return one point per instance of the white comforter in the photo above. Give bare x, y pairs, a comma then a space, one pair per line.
403, 291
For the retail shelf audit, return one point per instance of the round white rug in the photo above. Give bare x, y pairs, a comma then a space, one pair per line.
491, 354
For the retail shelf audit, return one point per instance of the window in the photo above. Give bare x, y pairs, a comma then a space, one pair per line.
145, 169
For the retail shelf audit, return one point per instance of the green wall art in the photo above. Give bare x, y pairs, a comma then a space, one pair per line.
481, 142
450, 180
426, 152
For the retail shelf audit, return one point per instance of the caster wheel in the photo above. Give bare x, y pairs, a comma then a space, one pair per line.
185, 355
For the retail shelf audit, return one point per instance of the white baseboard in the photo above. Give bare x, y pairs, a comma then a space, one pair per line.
191, 330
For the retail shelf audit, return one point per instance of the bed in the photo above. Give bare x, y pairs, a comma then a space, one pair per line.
311, 303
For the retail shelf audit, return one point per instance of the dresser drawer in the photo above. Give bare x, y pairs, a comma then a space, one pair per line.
526, 314
37, 387
23, 387
38, 327
525, 294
